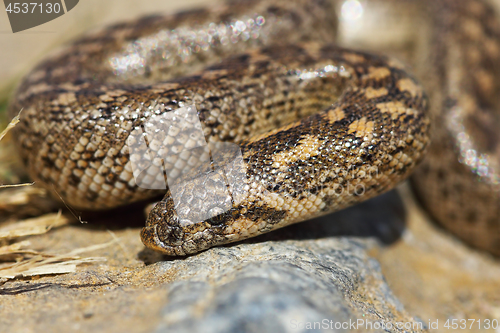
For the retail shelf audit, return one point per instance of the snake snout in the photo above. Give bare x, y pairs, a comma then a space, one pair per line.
169, 228
163, 231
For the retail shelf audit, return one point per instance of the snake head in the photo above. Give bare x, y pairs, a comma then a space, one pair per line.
200, 208
192, 216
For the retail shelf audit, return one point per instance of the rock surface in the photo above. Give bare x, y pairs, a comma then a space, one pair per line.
281, 282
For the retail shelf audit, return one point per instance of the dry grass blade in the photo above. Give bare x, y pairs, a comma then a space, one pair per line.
19, 197
15, 252
34, 267
50, 264
13, 248
22, 202
11, 125
35, 226
18, 260
17, 185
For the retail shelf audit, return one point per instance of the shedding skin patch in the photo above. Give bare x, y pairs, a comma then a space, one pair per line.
336, 115
361, 128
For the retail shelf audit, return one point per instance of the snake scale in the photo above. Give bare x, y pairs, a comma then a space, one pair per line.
292, 126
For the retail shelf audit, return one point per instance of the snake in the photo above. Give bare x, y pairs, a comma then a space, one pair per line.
253, 115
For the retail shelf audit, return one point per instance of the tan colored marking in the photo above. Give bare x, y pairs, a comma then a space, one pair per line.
395, 108
377, 73
312, 48
36, 89
106, 98
336, 115
70, 87
116, 93
409, 86
474, 56
66, 99
162, 87
361, 127
57, 72
308, 146
396, 64
476, 8
371, 93
210, 75
485, 80
354, 58
492, 48
468, 104
472, 28
37, 75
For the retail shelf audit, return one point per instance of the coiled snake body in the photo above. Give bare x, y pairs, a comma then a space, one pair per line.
296, 127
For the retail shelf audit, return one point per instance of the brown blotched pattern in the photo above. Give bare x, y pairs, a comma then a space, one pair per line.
368, 132
319, 127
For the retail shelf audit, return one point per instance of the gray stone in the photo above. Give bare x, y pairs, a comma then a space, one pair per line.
278, 287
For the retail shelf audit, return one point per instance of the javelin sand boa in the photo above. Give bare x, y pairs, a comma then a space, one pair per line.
317, 127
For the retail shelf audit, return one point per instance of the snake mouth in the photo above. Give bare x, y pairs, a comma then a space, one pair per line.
151, 239
165, 232
162, 231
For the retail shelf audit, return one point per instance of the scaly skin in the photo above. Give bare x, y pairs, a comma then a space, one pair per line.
318, 127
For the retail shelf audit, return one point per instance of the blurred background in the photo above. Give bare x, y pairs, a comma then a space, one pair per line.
22, 50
